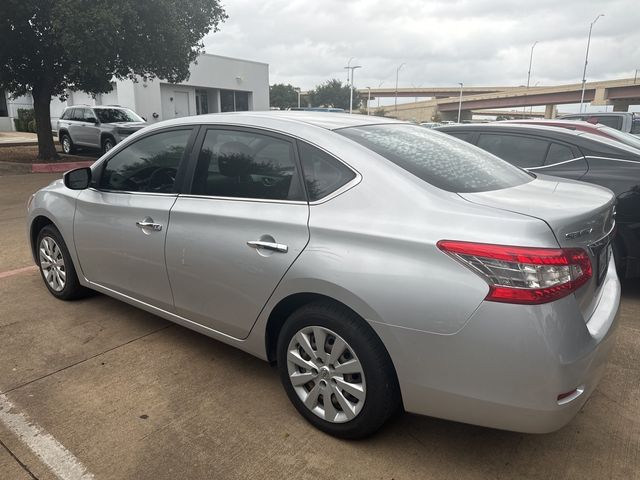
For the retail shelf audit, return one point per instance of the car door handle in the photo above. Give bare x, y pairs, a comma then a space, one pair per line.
148, 223
276, 247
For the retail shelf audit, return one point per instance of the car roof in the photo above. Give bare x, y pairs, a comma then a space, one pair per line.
554, 121
327, 120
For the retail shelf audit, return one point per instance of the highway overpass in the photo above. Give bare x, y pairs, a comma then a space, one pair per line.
619, 93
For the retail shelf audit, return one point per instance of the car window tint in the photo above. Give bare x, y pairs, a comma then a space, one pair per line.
148, 165
246, 165
113, 115
609, 121
323, 174
558, 153
73, 113
518, 150
466, 136
437, 158
88, 115
65, 115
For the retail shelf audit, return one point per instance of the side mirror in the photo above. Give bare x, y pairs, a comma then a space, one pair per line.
78, 179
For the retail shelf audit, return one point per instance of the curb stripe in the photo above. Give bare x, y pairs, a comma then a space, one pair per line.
18, 271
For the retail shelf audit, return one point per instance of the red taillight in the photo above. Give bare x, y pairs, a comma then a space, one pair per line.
523, 274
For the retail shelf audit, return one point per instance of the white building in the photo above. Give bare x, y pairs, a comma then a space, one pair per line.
216, 84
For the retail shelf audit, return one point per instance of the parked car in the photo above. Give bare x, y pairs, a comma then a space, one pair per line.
577, 156
624, 121
379, 264
581, 126
100, 127
430, 124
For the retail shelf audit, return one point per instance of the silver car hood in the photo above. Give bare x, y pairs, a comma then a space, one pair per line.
578, 213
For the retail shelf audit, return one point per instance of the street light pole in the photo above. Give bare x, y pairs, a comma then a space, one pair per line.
529, 72
586, 60
298, 92
460, 101
396, 96
369, 101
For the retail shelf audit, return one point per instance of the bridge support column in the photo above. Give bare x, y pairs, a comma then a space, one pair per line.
620, 107
550, 111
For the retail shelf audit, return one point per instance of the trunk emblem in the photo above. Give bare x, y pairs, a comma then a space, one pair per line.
578, 234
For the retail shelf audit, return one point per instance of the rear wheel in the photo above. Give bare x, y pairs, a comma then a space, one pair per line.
67, 144
56, 267
336, 371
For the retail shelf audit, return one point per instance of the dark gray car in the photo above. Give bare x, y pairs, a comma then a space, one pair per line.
578, 156
100, 127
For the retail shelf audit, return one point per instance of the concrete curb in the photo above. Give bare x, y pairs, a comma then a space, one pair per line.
58, 167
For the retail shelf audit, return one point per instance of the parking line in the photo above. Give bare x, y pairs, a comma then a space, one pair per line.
17, 271
51, 452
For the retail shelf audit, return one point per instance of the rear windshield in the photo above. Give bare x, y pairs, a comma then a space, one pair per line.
439, 159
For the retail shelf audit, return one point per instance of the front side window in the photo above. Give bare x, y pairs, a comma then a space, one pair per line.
521, 151
148, 165
323, 174
439, 159
115, 115
246, 165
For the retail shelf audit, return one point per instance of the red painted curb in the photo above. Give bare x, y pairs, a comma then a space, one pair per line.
57, 167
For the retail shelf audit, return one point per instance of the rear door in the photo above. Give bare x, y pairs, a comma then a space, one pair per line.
120, 223
238, 228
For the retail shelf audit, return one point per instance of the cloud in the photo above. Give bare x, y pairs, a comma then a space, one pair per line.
442, 42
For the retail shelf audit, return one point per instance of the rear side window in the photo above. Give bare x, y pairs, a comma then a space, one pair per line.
523, 152
466, 136
437, 158
609, 121
558, 153
635, 125
243, 164
323, 174
148, 165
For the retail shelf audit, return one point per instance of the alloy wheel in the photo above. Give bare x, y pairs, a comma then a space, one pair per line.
52, 264
326, 374
66, 145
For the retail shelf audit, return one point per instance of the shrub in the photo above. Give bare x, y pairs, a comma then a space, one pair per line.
25, 119
32, 126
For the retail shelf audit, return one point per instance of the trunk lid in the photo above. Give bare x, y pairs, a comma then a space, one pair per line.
579, 214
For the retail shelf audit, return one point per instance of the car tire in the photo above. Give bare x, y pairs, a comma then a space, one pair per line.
56, 267
374, 382
67, 144
107, 144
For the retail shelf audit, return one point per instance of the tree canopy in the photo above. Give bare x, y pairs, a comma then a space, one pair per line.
333, 93
47, 47
283, 96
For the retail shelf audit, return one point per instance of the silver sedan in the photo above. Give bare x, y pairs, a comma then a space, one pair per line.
380, 265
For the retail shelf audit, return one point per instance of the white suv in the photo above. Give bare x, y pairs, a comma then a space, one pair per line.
96, 127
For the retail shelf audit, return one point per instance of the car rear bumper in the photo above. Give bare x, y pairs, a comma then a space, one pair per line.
507, 366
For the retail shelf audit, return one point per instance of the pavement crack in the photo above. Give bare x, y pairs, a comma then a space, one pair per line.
87, 359
24, 467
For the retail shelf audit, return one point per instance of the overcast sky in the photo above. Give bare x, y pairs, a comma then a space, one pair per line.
442, 42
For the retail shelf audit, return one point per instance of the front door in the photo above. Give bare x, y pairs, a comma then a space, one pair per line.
181, 104
240, 227
120, 224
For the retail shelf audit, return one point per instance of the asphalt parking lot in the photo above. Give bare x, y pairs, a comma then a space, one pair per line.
127, 395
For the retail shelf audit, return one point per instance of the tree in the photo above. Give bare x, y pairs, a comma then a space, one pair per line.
47, 47
333, 93
283, 96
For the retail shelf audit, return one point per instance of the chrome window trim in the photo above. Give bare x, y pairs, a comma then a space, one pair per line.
554, 164
241, 199
613, 159
129, 192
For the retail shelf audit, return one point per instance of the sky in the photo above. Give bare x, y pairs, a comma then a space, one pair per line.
441, 42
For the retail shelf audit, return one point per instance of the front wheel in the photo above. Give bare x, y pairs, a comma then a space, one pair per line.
336, 371
56, 267
107, 144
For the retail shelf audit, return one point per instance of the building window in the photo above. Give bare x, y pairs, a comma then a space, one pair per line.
234, 101
3, 104
202, 102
